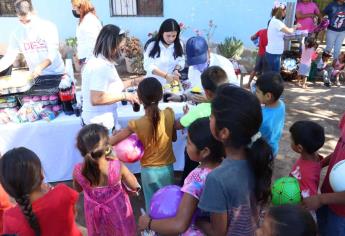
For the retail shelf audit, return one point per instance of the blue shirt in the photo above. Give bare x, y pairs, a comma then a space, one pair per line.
336, 15
272, 125
229, 189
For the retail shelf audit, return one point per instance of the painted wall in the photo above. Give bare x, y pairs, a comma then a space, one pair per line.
240, 18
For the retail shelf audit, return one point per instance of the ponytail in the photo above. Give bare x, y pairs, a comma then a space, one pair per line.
154, 114
91, 169
26, 207
92, 142
260, 158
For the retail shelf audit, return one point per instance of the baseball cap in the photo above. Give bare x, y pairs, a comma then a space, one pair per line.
196, 50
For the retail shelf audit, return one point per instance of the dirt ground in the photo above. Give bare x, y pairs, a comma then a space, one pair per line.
317, 103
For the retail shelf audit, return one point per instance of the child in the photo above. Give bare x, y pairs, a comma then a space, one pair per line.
307, 138
40, 211
269, 88
322, 68
211, 78
287, 220
262, 36
106, 204
330, 205
308, 49
156, 131
205, 149
338, 67
235, 189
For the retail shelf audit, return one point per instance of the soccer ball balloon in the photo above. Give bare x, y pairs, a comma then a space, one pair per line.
337, 177
130, 149
286, 190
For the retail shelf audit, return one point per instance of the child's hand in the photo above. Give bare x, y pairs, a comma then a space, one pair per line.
312, 203
143, 221
185, 109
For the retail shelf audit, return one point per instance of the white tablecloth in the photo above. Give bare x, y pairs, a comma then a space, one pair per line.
54, 142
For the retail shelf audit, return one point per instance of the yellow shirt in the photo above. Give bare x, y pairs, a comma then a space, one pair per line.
160, 152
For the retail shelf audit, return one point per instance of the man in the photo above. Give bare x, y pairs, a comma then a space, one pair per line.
199, 58
37, 39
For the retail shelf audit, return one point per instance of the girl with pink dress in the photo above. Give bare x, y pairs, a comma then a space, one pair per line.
205, 149
338, 69
103, 178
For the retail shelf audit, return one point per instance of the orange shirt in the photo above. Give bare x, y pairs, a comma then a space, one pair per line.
159, 152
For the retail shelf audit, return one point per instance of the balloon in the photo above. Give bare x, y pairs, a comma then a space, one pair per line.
286, 190
130, 149
337, 177
165, 202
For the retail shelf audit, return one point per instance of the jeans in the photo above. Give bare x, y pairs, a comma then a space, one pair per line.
329, 223
272, 62
334, 40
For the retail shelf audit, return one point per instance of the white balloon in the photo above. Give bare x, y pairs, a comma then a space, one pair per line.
337, 177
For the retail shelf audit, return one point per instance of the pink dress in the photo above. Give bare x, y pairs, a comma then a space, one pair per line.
108, 211
307, 8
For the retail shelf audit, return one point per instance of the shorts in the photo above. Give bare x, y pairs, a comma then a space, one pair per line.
259, 64
304, 69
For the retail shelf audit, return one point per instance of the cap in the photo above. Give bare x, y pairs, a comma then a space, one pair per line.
196, 50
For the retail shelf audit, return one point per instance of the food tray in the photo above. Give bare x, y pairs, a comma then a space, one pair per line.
45, 85
19, 82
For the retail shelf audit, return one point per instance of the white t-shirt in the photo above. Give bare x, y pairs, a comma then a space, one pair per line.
194, 75
166, 62
39, 40
275, 37
99, 74
87, 33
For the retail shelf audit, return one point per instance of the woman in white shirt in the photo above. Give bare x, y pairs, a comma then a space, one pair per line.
88, 28
163, 57
101, 85
275, 35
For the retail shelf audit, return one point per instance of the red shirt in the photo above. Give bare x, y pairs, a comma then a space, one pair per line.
55, 213
262, 34
337, 156
307, 172
4, 204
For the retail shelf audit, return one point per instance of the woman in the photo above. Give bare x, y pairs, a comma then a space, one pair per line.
306, 12
101, 85
275, 35
88, 28
163, 57
336, 29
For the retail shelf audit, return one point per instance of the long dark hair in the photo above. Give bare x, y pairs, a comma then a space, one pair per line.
168, 25
93, 143
239, 111
150, 92
199, 133
108, 41
20, 175
292, 220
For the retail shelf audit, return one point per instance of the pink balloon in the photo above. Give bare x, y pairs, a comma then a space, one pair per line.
165, 202
130, 149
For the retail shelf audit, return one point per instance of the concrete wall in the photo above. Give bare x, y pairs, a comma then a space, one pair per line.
240, 18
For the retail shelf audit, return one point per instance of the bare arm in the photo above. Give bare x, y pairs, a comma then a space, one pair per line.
218, 225
178, 125
254, 37
287, 30
40, 67
132, 82
129, 179
316, 201
177, 224
102, 98
119, 136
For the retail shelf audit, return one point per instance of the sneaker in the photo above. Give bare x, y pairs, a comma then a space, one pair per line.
337, 83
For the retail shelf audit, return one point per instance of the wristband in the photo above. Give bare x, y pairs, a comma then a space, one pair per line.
149, 224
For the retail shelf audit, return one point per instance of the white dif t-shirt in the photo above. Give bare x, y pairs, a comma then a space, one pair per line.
38, 41
99, 74
87, 33
194, 75
275, 37
166, 62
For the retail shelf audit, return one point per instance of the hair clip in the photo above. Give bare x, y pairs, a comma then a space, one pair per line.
108, 150
278, 4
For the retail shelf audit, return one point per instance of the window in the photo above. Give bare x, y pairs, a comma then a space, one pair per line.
7, 8
136, 7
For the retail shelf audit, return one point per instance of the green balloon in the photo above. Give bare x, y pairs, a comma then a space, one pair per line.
286, 190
